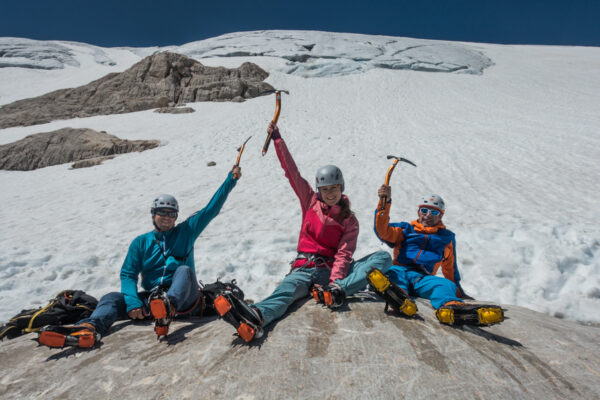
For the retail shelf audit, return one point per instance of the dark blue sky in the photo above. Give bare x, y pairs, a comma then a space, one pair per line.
110, 23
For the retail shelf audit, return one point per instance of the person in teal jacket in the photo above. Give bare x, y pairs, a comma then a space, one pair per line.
164, 258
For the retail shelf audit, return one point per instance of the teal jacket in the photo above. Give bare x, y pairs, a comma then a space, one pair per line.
146, 255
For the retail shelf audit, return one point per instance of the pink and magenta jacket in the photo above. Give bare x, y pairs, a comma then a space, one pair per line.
323, 231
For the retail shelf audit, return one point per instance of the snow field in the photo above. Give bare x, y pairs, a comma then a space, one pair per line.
514, 152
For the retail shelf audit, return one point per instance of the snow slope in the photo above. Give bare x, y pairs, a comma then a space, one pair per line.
514, 151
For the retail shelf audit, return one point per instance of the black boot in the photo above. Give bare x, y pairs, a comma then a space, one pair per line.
331, 295
457, 313
162, 311
394, 296
83, 335
245, 319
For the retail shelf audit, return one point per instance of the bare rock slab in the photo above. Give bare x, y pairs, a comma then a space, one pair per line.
161, 80
358, 352
86, 147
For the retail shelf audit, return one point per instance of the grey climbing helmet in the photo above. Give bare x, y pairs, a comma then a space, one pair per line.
165, 201
329, 175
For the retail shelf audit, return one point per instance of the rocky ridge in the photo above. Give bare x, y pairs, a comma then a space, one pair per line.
161, 80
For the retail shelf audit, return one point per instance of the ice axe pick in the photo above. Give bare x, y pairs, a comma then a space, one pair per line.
388, 176
275, 117
240, 151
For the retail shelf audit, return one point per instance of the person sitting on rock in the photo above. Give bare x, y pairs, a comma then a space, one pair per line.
164, 258
421, 248
327, 241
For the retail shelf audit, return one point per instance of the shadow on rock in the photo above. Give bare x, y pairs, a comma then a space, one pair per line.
179, 335
489, 335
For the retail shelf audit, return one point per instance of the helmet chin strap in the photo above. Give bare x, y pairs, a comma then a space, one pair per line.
154, 222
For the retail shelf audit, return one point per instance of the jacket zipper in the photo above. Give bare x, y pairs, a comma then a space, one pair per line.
422, 248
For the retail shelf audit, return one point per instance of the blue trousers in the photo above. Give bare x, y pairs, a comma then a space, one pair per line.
438, 290
297, 284
183, 294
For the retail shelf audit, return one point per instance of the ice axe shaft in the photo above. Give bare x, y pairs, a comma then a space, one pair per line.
388, 176
239, 157
275, 118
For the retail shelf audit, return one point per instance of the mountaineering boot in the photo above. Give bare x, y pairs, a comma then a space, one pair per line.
162, 311
457, 313
245, 319
394, 295
84, 335
331, 295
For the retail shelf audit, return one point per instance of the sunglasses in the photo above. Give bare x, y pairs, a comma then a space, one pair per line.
166, 213
433, 212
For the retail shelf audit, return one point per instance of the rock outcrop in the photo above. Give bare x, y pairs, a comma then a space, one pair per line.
159, 80
175, 110
66, 145
355, 353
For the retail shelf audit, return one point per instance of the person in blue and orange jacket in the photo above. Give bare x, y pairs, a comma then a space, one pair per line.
326, 244
421, 248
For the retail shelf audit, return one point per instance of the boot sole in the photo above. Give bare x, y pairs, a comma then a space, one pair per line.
391, 293
470, 315
161, 317
227, 310
68, 336
158, 309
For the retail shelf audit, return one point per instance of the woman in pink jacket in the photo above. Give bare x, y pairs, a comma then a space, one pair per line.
325, 247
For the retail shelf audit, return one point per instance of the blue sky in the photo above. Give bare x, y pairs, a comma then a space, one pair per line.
110, 23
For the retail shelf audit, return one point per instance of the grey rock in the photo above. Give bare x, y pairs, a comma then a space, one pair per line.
154, 82
91, 162
66, 145
175, 110
211, 164
356, 353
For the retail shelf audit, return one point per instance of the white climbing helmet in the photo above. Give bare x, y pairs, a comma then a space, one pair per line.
434, 201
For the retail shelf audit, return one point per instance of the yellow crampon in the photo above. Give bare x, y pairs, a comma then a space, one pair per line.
378, 280
490, 315
408, 308
393, 294
470, 314
445, 316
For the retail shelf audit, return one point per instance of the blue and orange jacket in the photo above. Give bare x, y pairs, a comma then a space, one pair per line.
415, 246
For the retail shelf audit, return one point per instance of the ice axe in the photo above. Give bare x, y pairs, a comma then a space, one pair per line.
388, 176
240, 151
275, 117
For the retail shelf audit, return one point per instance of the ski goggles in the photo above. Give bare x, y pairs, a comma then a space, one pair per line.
425, 211
166, 213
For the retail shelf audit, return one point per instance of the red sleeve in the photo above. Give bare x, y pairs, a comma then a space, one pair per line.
346, 248
302, 188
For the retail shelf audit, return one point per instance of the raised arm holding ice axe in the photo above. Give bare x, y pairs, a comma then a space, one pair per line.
328, 236
421, 247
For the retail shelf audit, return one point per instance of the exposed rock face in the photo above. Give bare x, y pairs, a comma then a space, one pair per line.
356, 353
157, 81
66, 145
175, 110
